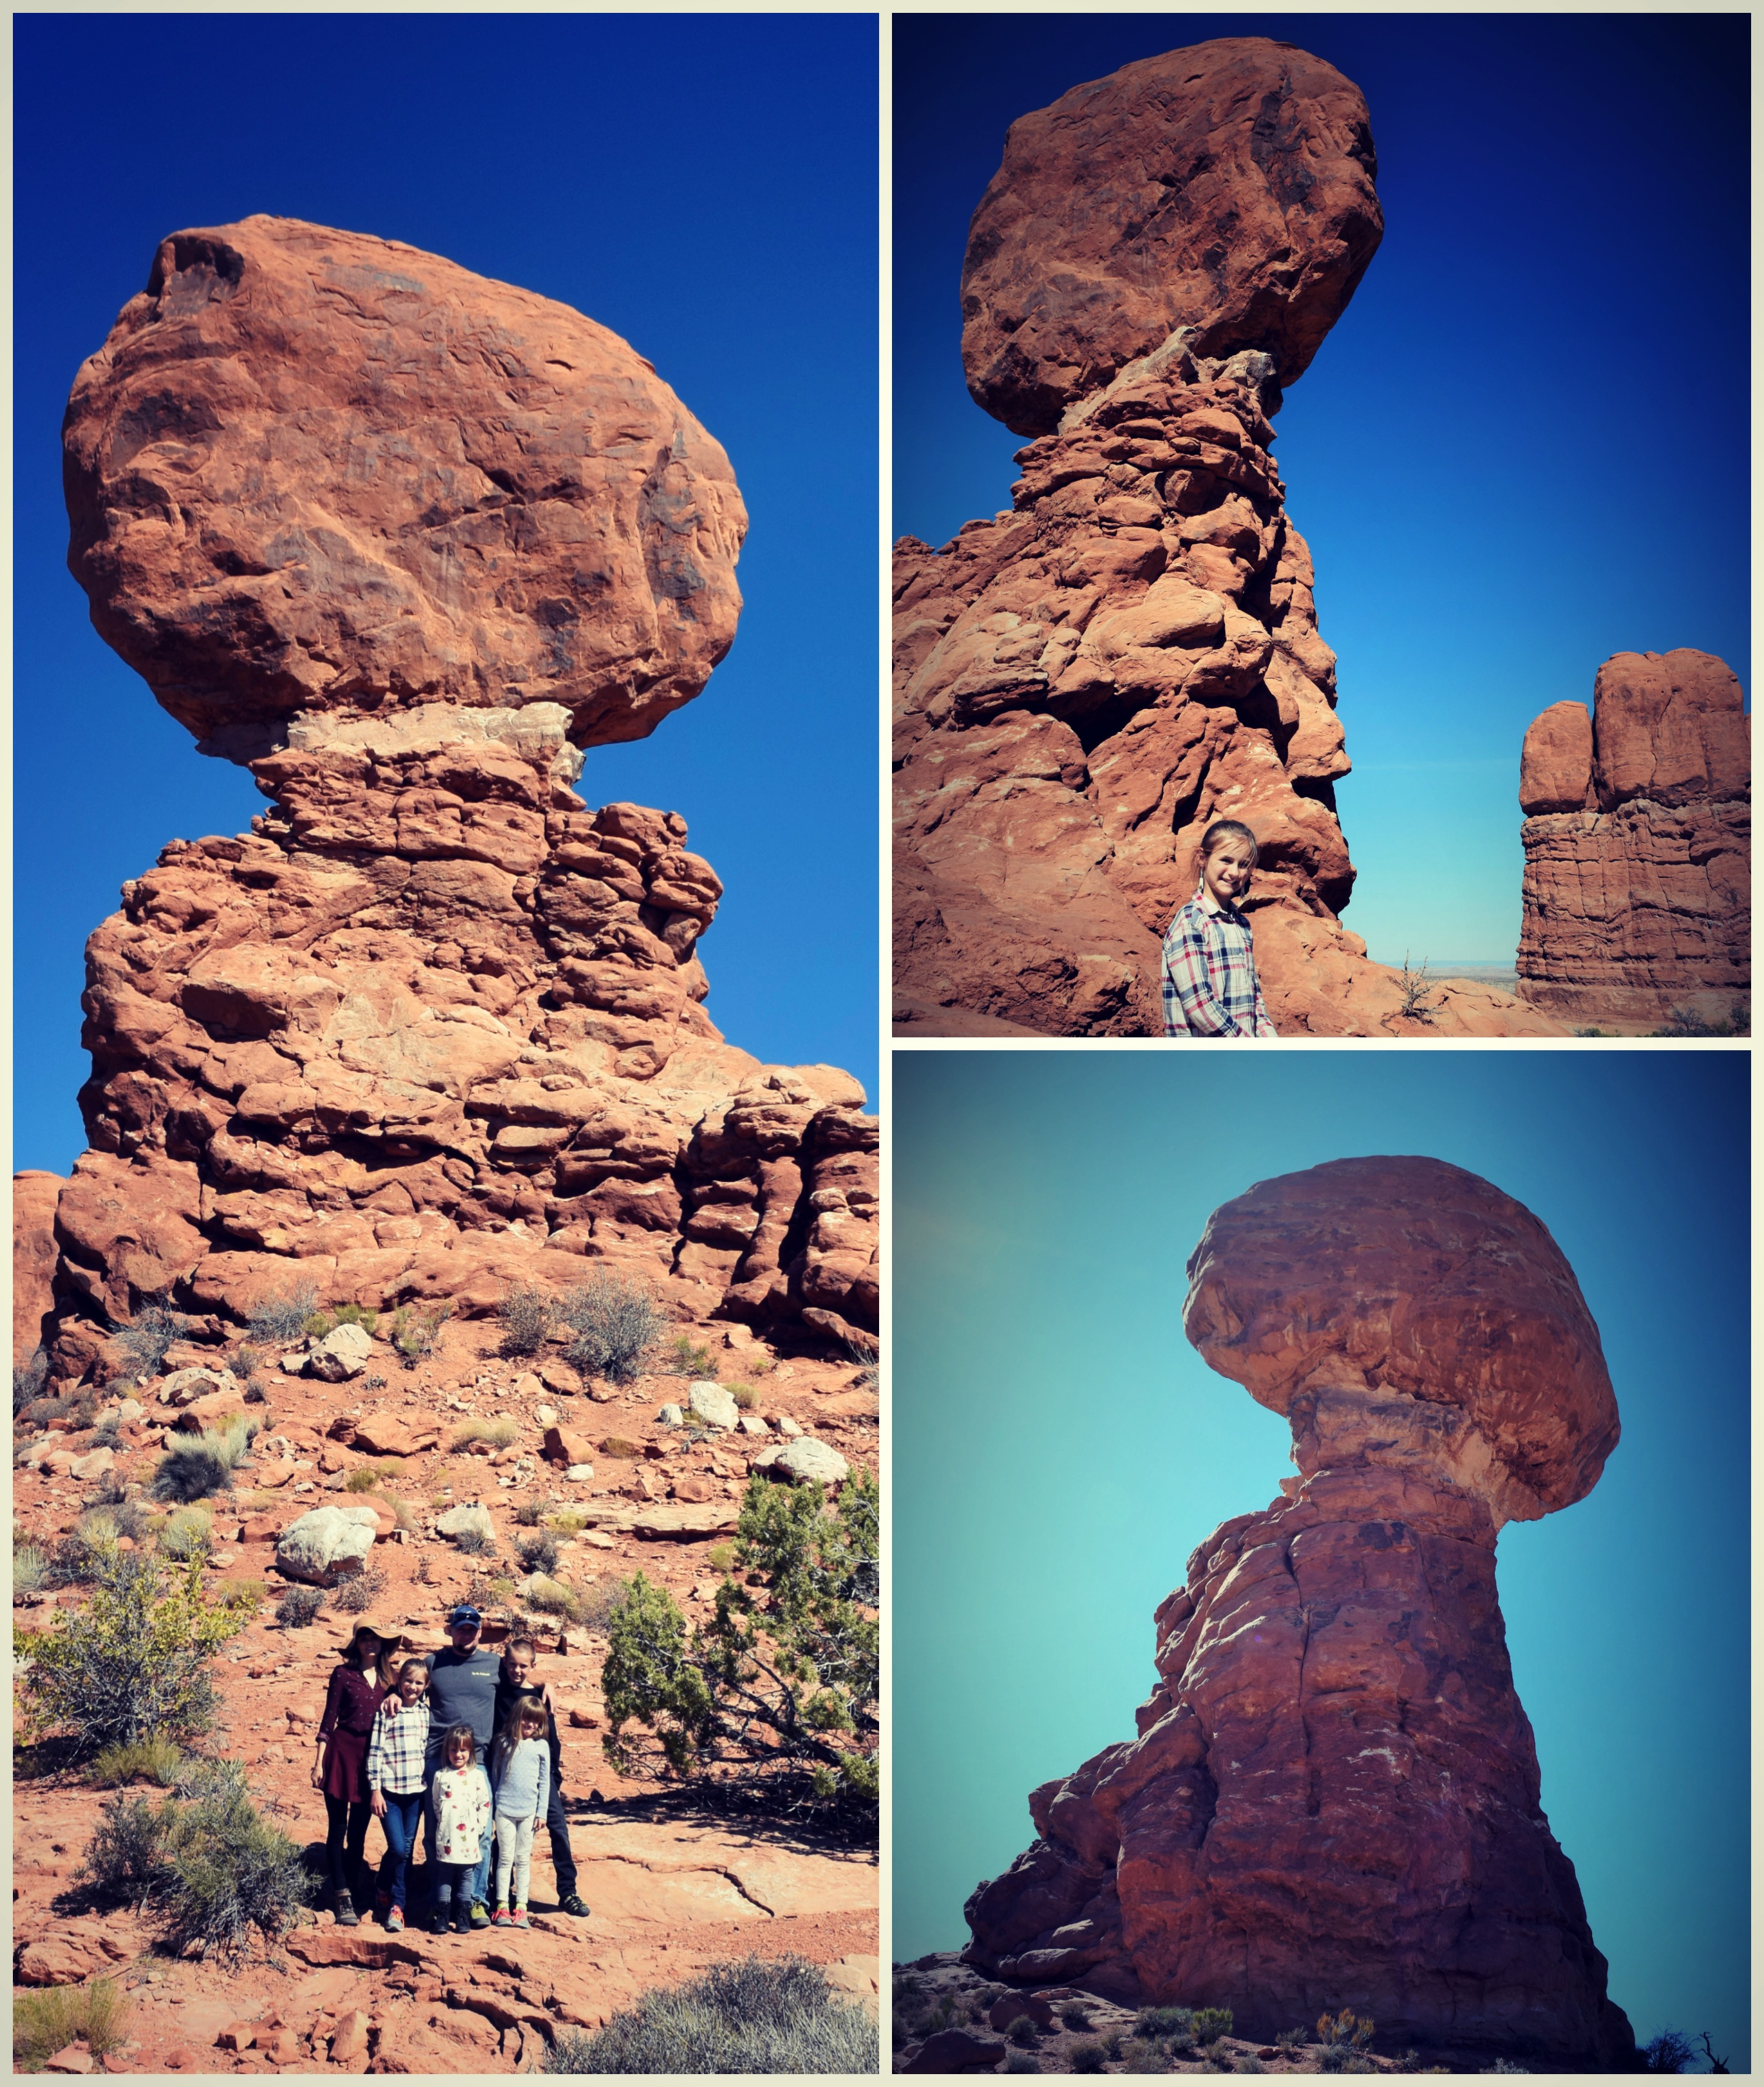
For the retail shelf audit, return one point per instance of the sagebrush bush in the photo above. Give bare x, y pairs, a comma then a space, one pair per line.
686, 1357
30, 1568
613, 1324
756, 2016
186, 1533
45, 2022
1291, 2039
1022, 2032
567, 1521
195, 1466
207, 1867
237, 1594
530, 1514
133, 1518
527, 1313
1088, 2057
29, 1379
154, 1760
1212, 2023
537, 1554
131, 1664
357, 1595
474, 1542
147, 1337
364, 1478
1075, 2015
553, 1598
416, 1329
744, 1396
721, 1556
279, 1322
298, 1606
498, 1432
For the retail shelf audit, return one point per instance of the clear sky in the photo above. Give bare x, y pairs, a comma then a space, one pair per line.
1522, 449
1059, 1449
705, 185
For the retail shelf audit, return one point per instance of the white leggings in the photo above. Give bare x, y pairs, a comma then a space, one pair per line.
514, 1853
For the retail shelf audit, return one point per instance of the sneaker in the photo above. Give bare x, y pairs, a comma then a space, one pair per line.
480, 1915
572, 1902
347, 1915
503, 1918
517, 1917
395, 1920
440, 1920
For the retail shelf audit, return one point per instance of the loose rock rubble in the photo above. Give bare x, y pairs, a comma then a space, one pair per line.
1084, 682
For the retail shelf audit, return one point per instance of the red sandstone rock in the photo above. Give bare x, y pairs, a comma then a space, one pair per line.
395, 482
1085, 682
1225, 189
564, 1445
34, 1195
1335, 1788
1637, 845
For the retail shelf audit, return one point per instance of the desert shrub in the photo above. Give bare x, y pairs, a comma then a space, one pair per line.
237, 1594
613, 1324
207, 1865
1212, 2023
108, 1433
147, 1337
278, 1322
30, 1568
553, 1598
864, 1350
567, 1521
45, 2022
1075, 2015
1088, 2057
1291, 2039
688, 1358
357, 1595
1023, 2061
154, 1760
363, 1316
744, 1396
770, 1686
298, 1606
537, 1554
1344, 2038
527, 1313
1112, 2044
499, 1433
365, 1477
474, 1542
29, 1379
132, 1519
246, 1362
198, 1464
1142, 2053
416, 1329
186, 1533
597, 1603
1250, 2063
1024, 2032
756, 2016
133, 1662
1670, 2051
721, 1556
529, 1513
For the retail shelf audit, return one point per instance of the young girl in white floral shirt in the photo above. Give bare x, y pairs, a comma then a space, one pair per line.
458, 1819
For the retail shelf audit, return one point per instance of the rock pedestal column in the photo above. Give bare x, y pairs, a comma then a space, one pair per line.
1334, 1797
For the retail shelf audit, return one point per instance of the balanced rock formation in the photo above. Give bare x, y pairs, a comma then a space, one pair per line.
1334, 1796
402, 541
1638, 845
1085, 681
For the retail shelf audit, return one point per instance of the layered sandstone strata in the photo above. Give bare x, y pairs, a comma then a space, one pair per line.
1334, 1794
1638, 845
1084, 682
402, 541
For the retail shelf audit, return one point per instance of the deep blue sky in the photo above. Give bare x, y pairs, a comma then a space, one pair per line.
1059, 1449
705, 185
1523, 448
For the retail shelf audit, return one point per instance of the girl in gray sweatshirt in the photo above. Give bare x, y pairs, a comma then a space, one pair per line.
520, 1776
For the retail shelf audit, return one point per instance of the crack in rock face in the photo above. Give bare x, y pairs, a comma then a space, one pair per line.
1637, 840
1334, 1791
402, 541
1085, 682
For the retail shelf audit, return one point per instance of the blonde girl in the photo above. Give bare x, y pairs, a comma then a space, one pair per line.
520, 1775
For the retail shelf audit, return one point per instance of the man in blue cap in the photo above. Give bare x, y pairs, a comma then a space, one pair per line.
462, 1691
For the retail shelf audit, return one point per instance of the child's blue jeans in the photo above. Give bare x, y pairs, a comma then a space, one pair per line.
455, 1882
403, 1813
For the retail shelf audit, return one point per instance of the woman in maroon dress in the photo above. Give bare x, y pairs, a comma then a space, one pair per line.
340, 1768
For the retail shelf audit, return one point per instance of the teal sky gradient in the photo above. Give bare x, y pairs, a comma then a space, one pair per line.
1059, 1449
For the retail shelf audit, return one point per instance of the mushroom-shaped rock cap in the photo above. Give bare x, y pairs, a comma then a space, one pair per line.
1227, 187
1417, 1277
313, 470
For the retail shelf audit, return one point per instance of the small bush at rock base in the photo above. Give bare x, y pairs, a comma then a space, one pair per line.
1248, 2064
149, 1760
147, 1337
1506, 2065
365, 1477
131, 1664
237, 1594
357, 1595
537, 1554
1142, 2053
567, 1521
1088, 2057
298, 1606
194, 1466
1166, 2022
613, 1325
756, 2016
416, 1329
97, 2015
527, 1313
278, 1322
474, 1542
1023, 2031
550, 1597
499, 1433
1291, 2039
207, 1865
529, 1514
1671, 2052
30, 1568
744, 1396
186, 1533
686, 1357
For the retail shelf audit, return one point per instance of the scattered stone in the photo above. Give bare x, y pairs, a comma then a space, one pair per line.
621, 1448
712, 1405
545, 1415
469, 1516
326, 1544
564, 1445
184, 1385
786, 1427
579, 1472
94, 1465
751, 1423
672, 1416
804, 1462
345, 1351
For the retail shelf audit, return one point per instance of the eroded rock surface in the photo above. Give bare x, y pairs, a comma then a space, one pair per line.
1334, 1789
402, 540
1084, 682
1638, 844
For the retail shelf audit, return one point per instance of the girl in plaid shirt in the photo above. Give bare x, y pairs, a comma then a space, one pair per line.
1209, 985
395, 1781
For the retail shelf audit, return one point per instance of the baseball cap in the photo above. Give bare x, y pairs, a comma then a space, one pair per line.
464, 1614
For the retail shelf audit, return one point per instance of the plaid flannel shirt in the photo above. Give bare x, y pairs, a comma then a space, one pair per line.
1209, 973
396, 1751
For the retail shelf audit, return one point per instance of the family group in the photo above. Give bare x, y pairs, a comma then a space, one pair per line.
461, 1742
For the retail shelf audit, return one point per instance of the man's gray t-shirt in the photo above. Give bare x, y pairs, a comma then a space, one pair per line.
462, 1691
